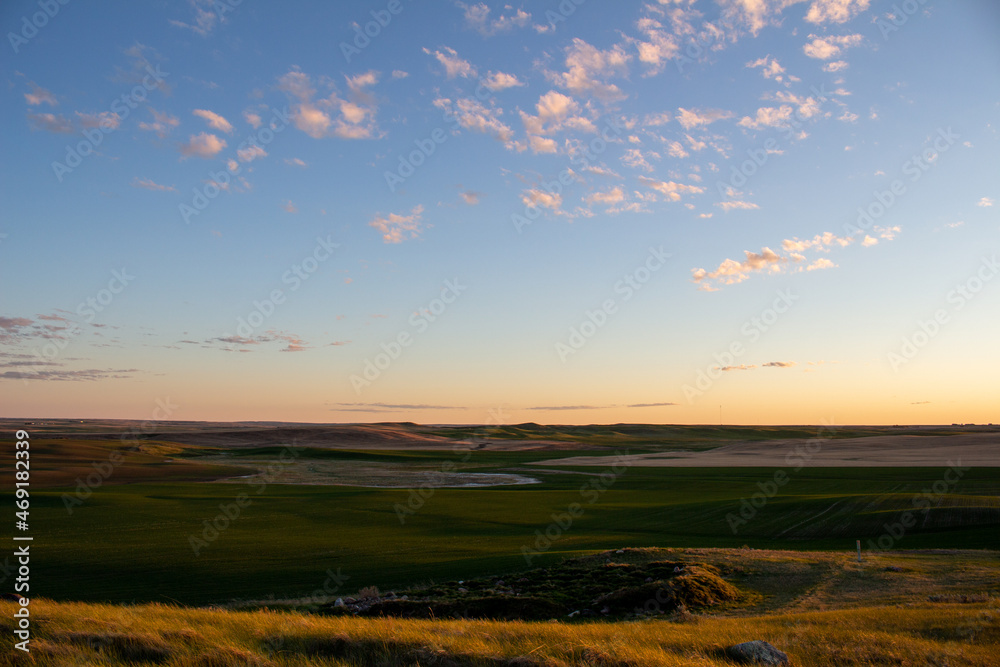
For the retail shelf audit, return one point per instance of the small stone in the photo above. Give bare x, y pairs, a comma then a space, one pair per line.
339, 603
757, 652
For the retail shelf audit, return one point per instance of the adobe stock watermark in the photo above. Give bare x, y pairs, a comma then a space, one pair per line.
913, 168
325, 593
752, 330
231, 511
710, 36
627, 287
109, 121
219, 181
38, 20
419, 496
294, 277
591, 491
85, 486
419, 321
927, 330
88, 309
564, 10
796, 459
898, 17
757, 157
922, 502
583, 157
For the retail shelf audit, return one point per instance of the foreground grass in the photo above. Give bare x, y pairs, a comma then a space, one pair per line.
917, 633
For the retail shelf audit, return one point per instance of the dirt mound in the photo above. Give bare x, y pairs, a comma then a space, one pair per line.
578, 588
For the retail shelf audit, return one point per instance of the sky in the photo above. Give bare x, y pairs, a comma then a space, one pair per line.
683, 211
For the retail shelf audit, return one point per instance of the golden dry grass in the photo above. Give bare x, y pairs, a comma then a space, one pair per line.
919, 633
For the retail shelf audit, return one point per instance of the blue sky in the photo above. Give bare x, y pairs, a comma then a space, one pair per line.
602, 203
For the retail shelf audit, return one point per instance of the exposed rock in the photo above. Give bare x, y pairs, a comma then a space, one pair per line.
757, 652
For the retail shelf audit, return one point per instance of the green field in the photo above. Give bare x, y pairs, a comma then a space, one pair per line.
131, 542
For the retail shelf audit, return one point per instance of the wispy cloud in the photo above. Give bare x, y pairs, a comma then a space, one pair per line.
214, 120
478, 16
396, 228
588, 69
689, 118
39, 95
50, 123
825, 48
149, 184
453, 65
162, 123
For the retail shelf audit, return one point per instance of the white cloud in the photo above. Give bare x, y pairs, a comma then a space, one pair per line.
835, 11
676, 149
659, 46
453, 65
202, 145
768, 117
253, 119
671, 189
536, 197
350, 117
497, 81
635, 158
396, 228
736, 204
985, 202
587, 67
613, 196
824, 48
653, 120
770, 68
474, 115
399, 74
820, 242
471, 197
289, 207
731, 272
296, 162
821, 263
477, 16
835, 66
695, 118
542, 144
214, 120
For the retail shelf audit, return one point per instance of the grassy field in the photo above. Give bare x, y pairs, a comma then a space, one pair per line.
269, 530
820, 608
130, 540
